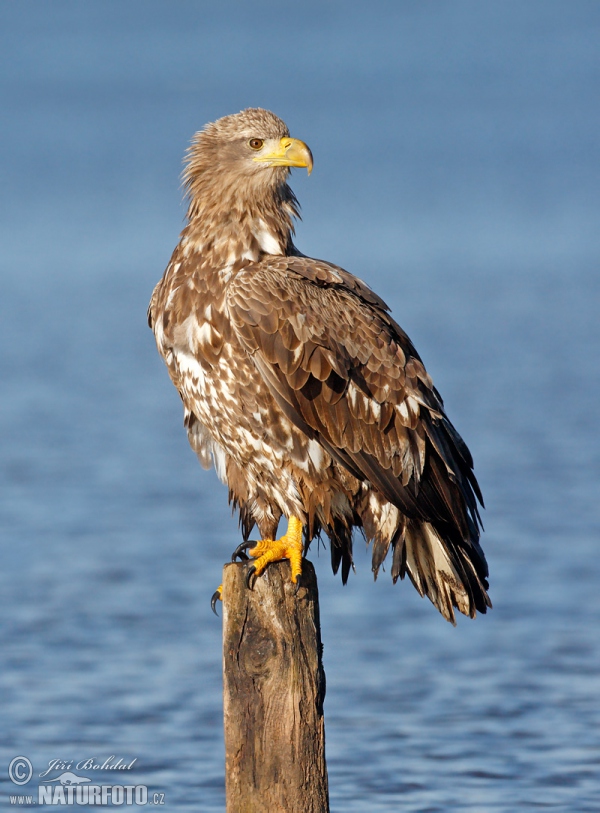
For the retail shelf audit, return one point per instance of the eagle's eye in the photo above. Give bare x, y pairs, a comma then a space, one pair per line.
255, 143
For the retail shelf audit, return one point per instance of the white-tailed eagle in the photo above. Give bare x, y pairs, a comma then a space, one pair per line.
298, 385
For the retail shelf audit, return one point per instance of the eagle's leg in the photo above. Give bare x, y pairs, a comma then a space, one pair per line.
289, 546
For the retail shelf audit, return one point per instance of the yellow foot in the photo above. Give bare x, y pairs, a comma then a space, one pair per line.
289, 546
216, 596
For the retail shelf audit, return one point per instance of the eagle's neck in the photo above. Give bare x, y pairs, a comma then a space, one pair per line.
231, 227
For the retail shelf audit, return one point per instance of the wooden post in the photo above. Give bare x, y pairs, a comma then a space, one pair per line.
274, 686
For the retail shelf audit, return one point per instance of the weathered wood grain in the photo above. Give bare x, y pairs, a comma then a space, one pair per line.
274, 686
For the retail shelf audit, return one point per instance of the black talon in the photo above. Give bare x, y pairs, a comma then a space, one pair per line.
296, 587
216, 596
249, 574
240, 551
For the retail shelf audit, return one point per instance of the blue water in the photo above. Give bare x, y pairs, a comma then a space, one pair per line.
457, 170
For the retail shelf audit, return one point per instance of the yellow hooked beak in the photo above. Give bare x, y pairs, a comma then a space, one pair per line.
290, 152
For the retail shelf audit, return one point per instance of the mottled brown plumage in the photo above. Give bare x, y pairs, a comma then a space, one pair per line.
300, 387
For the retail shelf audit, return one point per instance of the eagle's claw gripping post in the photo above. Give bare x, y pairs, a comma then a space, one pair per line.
248, 580
240, 551
289, 546
216, 596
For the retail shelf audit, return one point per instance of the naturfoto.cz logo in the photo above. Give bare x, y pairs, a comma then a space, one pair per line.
70, 788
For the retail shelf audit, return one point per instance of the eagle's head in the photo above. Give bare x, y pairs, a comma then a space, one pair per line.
241, 161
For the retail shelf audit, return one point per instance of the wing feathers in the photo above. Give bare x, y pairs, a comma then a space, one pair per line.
346, 374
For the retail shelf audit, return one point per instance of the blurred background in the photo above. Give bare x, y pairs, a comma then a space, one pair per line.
457, 171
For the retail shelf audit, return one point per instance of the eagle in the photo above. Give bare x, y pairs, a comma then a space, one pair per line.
301, 389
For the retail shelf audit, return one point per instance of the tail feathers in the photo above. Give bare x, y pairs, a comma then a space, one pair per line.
340, 536
443, 572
